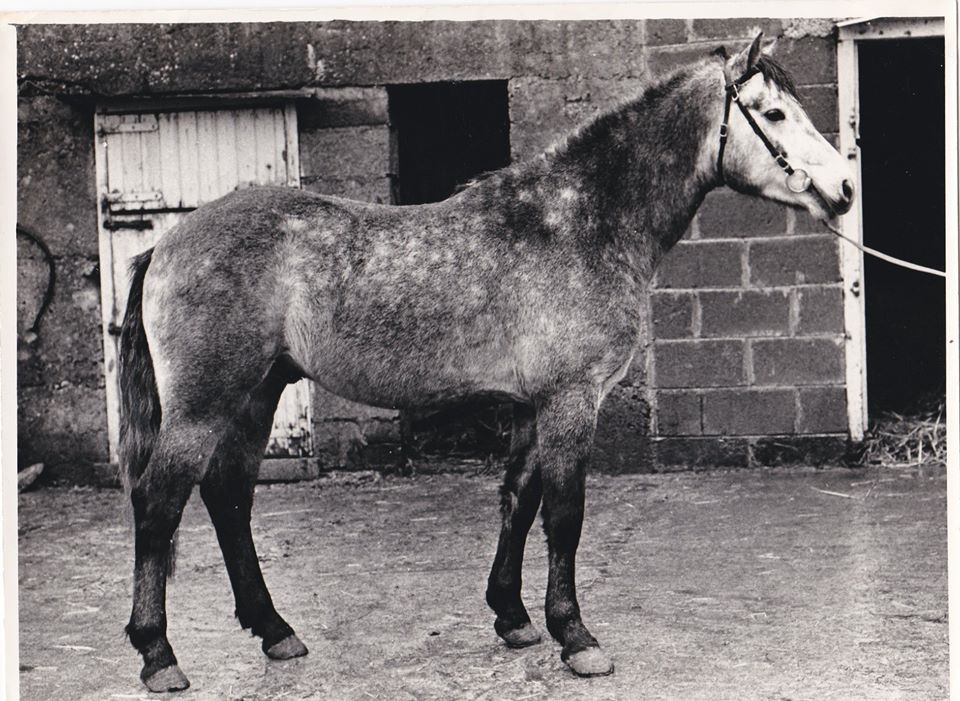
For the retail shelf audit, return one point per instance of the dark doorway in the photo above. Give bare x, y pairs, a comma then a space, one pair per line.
902, 144
444, 134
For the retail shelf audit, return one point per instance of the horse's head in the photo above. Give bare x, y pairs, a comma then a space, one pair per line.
772, 149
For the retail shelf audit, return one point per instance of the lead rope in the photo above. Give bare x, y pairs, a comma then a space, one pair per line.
883, 256
733, 95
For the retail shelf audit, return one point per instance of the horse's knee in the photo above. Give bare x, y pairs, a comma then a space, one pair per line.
562, 514
563, 507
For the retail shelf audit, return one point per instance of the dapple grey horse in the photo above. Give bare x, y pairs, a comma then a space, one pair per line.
527, 285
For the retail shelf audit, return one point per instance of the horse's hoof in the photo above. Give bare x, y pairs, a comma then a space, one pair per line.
167, 679
524, 636
287, 649
592, 662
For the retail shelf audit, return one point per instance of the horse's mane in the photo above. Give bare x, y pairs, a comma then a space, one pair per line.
772, 71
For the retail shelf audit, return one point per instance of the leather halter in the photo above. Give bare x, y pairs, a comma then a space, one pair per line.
733, 95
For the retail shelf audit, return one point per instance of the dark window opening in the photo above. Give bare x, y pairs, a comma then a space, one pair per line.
445, 134
442, 136
902, 144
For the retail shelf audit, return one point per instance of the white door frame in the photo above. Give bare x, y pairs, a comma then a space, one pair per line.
851, 33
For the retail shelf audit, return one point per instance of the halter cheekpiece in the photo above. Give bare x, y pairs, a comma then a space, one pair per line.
798, 184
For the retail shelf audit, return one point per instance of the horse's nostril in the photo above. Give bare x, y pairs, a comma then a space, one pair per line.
847, 187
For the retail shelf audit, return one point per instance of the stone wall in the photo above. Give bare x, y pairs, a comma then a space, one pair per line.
747, 366
344, 138
62, 417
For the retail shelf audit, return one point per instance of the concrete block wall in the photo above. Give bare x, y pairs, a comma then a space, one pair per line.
746, 366
747, 313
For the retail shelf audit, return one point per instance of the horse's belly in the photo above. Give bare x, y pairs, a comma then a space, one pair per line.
424, 377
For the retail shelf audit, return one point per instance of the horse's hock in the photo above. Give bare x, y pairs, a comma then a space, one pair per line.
746, 365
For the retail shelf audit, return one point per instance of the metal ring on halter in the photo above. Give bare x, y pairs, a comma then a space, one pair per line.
798, 181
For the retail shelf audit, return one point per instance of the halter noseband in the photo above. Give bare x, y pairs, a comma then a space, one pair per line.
733, 95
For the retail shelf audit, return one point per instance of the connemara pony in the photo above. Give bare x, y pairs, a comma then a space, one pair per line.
526, 285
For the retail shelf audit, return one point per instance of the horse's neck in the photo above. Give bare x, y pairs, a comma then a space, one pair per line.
642, 172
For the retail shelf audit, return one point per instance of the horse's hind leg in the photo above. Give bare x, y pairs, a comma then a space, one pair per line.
176, 464
519, 501
227, 491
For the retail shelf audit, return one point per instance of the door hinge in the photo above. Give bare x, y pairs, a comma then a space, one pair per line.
117, 197
134, 224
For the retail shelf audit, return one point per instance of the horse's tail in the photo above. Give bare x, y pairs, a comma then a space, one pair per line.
139, 399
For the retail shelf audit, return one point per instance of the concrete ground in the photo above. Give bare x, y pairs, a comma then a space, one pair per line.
782, 584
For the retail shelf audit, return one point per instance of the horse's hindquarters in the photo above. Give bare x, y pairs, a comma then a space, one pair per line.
212, 313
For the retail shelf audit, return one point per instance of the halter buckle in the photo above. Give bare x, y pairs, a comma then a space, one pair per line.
734, 91
723, 130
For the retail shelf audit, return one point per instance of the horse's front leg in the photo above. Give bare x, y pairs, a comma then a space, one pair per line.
565, 427
519, 501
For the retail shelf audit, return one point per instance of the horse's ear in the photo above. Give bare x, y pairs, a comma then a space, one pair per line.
753, 54
720, 51
743, 61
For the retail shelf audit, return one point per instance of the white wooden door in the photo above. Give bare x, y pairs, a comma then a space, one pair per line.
153, 167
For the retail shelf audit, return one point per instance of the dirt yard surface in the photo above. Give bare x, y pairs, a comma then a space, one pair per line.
782, 584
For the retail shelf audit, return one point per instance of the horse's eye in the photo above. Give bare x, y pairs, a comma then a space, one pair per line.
774, 115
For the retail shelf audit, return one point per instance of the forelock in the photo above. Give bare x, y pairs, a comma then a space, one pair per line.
776, 74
